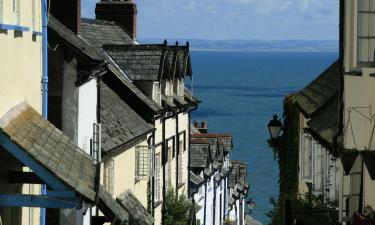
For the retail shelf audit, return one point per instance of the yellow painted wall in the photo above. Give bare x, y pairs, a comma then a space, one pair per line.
124, 176
21, 60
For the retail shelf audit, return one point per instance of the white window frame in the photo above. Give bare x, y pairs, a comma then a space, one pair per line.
33, 15
1, 11
366, 31
180, 163
157, 177
108, 181
167, 87
307, 159
181, 87
17, 12
156, 93
141, 161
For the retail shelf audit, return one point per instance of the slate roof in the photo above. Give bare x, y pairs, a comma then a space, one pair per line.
189, 97
195, 179
198, 154
238, 174
138, 214
135, 90
120, 123
316, 94
52, 149
325, 123
110, 208
98, 33
72, 41
217, 148
151, 62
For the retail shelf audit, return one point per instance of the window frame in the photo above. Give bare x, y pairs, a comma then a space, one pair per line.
157, 174
156, 92
141, 152
305, 178
370, 36
108, 175
16, 12
1, 11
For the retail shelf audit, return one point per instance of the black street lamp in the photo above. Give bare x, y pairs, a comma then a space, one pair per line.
274, 127
250, 205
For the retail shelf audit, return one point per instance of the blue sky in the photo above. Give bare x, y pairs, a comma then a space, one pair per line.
234, 19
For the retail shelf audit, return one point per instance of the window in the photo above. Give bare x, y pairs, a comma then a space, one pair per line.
319, 168
1, 11
366, 31
109, 175
33, 15
17, 12
180, 164
181, 87
156, 93
166, 90
307, 158
157, 177
141, 161
170, 155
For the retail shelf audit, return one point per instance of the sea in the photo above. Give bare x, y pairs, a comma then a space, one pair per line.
240, 91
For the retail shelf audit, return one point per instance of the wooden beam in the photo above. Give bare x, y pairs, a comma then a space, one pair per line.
19, 200
99, 220
24, 178
21, 155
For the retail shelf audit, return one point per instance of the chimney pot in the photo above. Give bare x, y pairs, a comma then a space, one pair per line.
196, 124
204, 125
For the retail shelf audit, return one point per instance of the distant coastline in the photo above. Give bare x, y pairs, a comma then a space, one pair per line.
312, 46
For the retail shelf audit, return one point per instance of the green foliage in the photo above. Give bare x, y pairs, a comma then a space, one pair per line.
315, 210
285, 151
177, 208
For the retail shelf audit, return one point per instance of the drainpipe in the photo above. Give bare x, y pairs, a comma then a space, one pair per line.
44, 84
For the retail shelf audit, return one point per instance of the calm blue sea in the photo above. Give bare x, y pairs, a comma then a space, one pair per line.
240, 91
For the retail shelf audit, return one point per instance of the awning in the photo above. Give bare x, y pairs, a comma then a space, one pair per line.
70, 173
369, 160
348, 158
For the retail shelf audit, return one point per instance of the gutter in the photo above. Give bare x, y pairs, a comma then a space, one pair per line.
44, 85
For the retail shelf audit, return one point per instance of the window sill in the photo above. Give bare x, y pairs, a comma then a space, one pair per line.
13, 27
37, 33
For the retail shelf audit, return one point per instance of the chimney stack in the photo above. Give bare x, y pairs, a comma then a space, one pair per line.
203, 127
123, 12
68, 12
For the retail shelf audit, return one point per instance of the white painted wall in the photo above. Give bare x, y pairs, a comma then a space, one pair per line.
87, 110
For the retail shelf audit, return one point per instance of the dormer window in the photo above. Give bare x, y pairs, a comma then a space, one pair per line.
168, 88
156, 93
181, 87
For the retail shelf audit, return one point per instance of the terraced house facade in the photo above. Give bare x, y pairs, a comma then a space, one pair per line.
96, 126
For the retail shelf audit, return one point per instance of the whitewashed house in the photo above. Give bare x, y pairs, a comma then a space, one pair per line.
209, 179
95, 117
319, 165
153, 85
